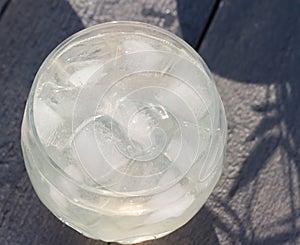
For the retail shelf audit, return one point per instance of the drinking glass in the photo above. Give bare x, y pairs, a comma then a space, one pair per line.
124, 132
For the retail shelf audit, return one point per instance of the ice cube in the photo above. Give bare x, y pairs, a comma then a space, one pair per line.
74, 172
89, 155
47, 122
175, 103
145, 128
139, 131
81, 77
174, 209
168, 177
168, 196
184, 102
195, 100
96, 151
182, 151
131, 46
198, 87
150, 58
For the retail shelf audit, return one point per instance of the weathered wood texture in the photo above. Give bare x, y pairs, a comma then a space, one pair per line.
253, 48
3, 5
29, 30
186, 18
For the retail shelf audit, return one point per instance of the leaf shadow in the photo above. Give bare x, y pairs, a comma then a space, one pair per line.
260, 46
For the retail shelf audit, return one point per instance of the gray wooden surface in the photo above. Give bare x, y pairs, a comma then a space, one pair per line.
253, 49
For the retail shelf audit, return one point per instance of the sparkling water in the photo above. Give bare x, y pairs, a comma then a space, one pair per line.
131, 126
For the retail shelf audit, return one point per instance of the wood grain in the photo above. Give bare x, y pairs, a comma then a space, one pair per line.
29, 30
3, 5
186, 18
253, 49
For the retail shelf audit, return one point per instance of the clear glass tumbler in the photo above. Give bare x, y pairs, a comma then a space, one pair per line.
124, 132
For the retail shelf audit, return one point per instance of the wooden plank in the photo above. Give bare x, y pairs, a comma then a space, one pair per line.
186, 18
3, 5
29, 30
253, 49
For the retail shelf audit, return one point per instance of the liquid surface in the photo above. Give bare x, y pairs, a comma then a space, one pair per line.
131, 120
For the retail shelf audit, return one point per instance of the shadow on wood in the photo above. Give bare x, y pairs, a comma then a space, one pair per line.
256, 42
193, 17
29, 31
